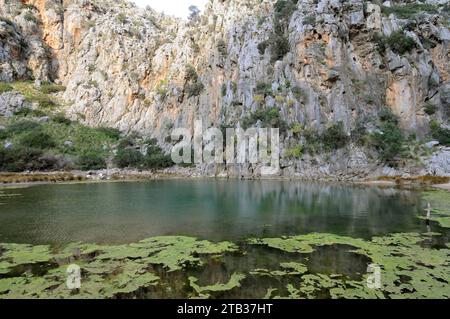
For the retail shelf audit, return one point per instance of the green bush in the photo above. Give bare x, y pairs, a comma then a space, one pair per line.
399, 42
269, 118
3, 134
128, 157
49, 88
5, 87
110, 132
298, 92
155, 158
194, 89
22, 126
294, 152
386, 115
279, 47
263, 88
440, 134
263, 46
388, 142
191, 73
91, 161
193, 86
430, 109
37, 139
19, 158
407, 11
222, 47
61, 119
26, 111
335, 137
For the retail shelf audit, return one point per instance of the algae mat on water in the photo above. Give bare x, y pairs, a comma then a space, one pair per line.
174, 267
440, 204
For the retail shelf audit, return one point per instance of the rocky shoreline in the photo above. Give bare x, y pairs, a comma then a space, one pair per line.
112, 175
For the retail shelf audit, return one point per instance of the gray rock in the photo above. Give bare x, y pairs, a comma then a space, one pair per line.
431, 144
8, 145
44, 119
68, 144
11, 102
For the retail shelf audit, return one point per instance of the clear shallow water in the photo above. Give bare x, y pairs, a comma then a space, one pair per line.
209, 209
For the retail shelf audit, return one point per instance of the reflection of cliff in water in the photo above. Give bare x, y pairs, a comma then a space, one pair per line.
211, 209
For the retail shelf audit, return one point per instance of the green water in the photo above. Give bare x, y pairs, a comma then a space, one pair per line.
207, 209
253, 239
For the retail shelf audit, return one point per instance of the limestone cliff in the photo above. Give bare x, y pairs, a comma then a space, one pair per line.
317, 61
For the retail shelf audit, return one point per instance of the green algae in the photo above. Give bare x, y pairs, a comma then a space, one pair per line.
106, 271
205, 291
408, 268
440, 207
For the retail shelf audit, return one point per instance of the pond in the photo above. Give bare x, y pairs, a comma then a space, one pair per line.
210, 238
208, 209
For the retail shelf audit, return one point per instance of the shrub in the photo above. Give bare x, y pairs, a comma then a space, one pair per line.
110, 132
440, 134
224, 89
5, 87
61, 119
155, 158
269, 118
279, 47
298, 92
399, 42
335, 137
222, 47
309, 20
194, 86
122, 18
3, 134
294, 152
194, 89
22, 126
263, 46
19, 158
26, 111
91, 161
264, 89
430, 109
386, 115
191, 73
37, 139
313, 143
388, 142
45, 102
128, 158
49, 88
407, 11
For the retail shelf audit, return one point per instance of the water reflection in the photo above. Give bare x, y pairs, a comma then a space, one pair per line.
216, 210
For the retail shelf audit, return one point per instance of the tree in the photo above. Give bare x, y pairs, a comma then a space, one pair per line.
194, 13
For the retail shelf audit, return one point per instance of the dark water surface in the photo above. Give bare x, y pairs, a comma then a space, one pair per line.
208, 209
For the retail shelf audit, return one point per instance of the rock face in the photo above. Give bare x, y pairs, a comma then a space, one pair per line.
11, 102
439, 164
138, 70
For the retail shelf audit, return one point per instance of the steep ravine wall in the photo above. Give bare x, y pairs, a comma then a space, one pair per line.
127, 67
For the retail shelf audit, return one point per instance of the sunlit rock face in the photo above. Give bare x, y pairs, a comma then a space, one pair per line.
127, 67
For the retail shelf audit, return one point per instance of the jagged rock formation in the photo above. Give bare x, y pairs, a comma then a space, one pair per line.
318, 62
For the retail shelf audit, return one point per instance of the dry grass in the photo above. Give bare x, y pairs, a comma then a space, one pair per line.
421, 180
12, 178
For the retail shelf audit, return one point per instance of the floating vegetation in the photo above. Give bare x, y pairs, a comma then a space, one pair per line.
440, 204
106, 271
408, 270
204, 292
179, 266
